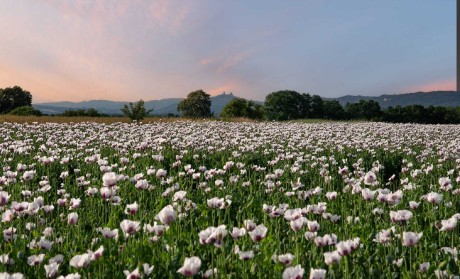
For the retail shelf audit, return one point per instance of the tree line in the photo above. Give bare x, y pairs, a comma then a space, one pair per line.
279, 106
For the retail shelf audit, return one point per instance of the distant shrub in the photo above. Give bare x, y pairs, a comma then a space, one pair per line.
82, 113
26, 111
136, 111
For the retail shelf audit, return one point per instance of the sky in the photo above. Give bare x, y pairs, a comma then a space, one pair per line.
126, 50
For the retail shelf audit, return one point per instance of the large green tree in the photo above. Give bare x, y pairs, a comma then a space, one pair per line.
196, 105
332, 109
240, 107
284, 105
14, 97
316, 107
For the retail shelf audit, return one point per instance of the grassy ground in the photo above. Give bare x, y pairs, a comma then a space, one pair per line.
107, 120
110, 120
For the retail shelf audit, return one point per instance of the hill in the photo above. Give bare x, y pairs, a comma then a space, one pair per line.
160, 107
167, 106
434, 98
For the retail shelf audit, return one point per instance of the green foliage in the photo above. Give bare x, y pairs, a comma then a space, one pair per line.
283, 105
240, 107
26, 111
136, 112
421, 114
14, 97
333, 110
82, 113
196, 105
364, 109
317, 107
290, 105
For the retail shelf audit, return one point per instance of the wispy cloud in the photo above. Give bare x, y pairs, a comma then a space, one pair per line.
222, 63
167, 16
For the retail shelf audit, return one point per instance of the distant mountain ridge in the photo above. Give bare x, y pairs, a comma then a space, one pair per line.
160, 107
433, 98
167, 106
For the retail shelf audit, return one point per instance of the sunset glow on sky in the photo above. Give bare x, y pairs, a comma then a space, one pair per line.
131, 49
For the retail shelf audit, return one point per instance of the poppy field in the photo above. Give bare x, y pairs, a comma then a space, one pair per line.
229, 200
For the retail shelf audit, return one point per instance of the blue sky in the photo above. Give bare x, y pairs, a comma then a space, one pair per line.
131, 49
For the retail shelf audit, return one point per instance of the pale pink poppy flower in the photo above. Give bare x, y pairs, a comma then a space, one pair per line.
414, 205
216, 203
298, 224
190, 267
213, 235
45, 244
370, 179
317, 274
35, 260
129, 227
142, 184
74, 203
293, 272
285, 259
383, 236
313, 226
331, 195
292, 214
20, 206
343, 171
179, 195
106, 193
9, 234
7, 216
28, 175
147, 269
98, 253
258, 233
401, 216
81, 261
161, 173
157, 229
367, 194
249, 225
132, 208
444, 182
135, 274
52, 270
434, 198
398, 262
109, 179
6, 260
424, 267
245, 256
310, 235
332, 257
210, 273
56, 259
411, 238
109, 233
237, 232
167, 215
72, 218
4, 197
449, 224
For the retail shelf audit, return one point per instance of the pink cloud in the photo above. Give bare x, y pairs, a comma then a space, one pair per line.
169, 18
221, 63
228, 87
442, 85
